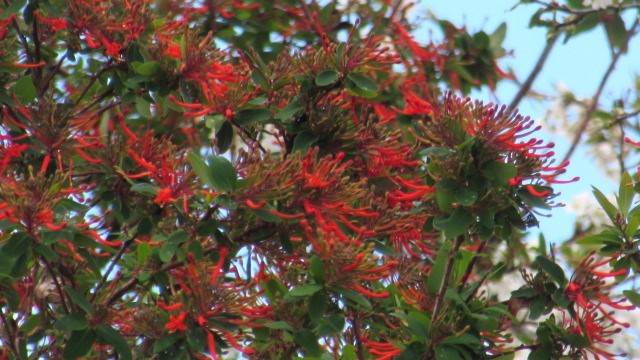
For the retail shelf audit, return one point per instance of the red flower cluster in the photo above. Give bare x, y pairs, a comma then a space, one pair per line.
593, 305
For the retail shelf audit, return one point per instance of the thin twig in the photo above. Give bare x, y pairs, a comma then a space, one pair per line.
112, 265
473, 262
11, 335
586, 118
57, 285
526, 86
356, 334
445, 279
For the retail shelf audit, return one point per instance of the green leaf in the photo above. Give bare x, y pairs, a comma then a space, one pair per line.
265, 214
143, 250
149, 68
625, 194
167, 251
75, 321
458, 223
79, 299
24, 89
499, 173
349, 353
466, 196
145, 189
224, 137
303, 141
360, 85
197, 338
553, 269
304, 290
47, 252
80, 342
632, 296
308, 341
317, 306
17, 245
462, 339
112, 337
606, 205
223, 174
354, 297
201, 168
289, 111
251, 116
327, 77
279, 325
178, 237
437, 271
446, 353
14, 8
603, 238
419, 324
318, 270
498, 37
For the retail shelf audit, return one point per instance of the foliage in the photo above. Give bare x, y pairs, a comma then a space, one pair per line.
283, 179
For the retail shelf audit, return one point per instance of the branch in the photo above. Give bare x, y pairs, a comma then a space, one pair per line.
472, 263
112, 265
12, 339
445, 279
596, 97
526, 86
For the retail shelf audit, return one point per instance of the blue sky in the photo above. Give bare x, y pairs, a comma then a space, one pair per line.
579, 64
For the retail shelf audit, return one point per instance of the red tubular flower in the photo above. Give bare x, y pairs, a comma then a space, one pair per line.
164, 196
176, 323
588, 291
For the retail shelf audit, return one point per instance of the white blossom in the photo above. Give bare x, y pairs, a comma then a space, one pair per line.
599, 4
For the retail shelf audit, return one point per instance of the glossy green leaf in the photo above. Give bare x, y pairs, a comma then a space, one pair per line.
279, 325
289, 111
224, 137
466, 196
252, 116
308, 341
553, 269
112, 337
632, 296
625, 194
24, 89
76, 321
17, 245
606, 205
303, 141
79, 299
145, 189
14, 8
437, 270
80, 342
201, 168
223, 174
458, 223
499, 173
327, 77
304, 290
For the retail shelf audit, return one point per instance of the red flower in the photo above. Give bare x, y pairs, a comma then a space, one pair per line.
164, 196
176, 323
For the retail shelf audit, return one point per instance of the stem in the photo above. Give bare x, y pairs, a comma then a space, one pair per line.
356, 334
112, 265
127, 286
44, 85
10, 335
57, 285
445, 279
472, 263
596, 97
526, 86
